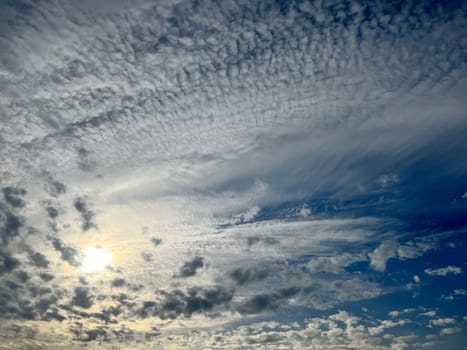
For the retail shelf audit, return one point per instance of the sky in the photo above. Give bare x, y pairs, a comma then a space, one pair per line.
248, 174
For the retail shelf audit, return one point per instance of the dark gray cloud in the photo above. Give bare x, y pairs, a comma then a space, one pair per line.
23, 276
10, 225
246, 275
51, 212
266, 240
267, 302
67, 253
7, 262
171, 305
12, 196
56, 188
46, 277
38, 259
118, 282
189, 268
86, 214
82, 298
86, 161
146, 256
156, 241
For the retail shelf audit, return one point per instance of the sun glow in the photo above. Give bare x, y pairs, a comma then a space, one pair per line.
95, 260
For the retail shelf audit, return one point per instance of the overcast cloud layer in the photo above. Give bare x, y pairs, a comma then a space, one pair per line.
265, 174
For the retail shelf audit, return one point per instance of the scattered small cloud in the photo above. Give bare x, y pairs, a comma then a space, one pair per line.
397, 313
444, 271
439, 322
450, 330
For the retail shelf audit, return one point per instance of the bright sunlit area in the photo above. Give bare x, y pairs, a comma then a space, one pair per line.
95, 260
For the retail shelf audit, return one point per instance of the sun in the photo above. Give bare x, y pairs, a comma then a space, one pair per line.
95, 260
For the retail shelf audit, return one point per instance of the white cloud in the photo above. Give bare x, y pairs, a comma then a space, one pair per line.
451, 330
444, 271
430, 313
380, 256
305, 212
388, 180
455, 294
334, 264
442, 321
397, 313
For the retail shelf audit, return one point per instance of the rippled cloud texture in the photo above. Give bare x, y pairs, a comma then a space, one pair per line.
261, 174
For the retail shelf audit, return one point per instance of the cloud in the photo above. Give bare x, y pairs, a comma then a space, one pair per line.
10, 225
334, 264
305, 212
56, 188
264, 302
82, 298
46, 277
171, 305
380, 256
444, 271
247, 216
457, 293
156, 241
442, 322
397, 313
189, 268
13, 196
336, 330
243, 276
52, 212
67, 253
451, 330
266, 240
39, 259
86, 214
118, 282
7, 262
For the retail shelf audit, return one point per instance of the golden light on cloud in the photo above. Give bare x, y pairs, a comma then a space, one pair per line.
95, 260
